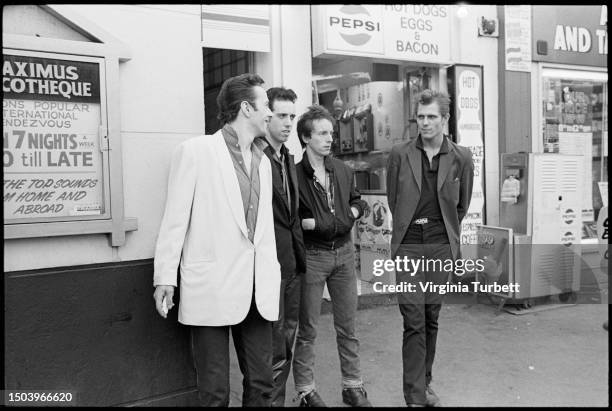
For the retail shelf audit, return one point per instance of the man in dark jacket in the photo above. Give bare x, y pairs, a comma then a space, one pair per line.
429, 187
329, 205
289, 241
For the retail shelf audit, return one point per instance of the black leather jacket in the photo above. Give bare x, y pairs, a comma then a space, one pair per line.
331, 229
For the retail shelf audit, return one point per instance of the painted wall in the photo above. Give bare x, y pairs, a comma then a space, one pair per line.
290, 62
93, 330
162, 104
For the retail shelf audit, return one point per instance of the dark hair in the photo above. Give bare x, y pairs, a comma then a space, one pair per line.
427, 97
280, 93
233, 92
304, 124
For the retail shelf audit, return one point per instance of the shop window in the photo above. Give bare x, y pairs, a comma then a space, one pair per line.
575, 121
374, 107
219, 65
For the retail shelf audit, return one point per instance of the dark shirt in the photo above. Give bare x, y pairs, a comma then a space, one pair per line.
249, 185
332, 227
429, 206
434, 231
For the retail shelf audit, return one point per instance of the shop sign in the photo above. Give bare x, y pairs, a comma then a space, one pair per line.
354, 28
467, 117
52, 156
417, 32
410, 32
571, 34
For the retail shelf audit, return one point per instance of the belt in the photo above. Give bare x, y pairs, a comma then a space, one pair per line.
425, 220
330, 245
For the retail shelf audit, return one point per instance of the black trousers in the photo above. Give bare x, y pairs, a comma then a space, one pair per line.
253, 343
420, 309
283, 336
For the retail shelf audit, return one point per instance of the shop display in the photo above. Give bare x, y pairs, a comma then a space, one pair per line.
384, 100
575, 122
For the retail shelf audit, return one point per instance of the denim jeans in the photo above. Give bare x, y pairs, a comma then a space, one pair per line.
337, 269
420, 310
253, 343
283, 336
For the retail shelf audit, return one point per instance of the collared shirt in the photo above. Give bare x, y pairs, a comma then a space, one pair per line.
249, 185
429, 206
332, 229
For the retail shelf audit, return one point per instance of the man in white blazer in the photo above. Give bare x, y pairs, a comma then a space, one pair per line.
218, 227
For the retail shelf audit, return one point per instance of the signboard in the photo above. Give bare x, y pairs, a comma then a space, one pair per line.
417, 32
467, 126
495, 247
374, 234
517, 34
571, 34
412, 32
52, 157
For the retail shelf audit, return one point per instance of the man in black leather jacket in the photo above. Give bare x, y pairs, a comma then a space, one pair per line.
329, 206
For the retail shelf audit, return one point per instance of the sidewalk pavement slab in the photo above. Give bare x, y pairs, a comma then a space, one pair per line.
484, 357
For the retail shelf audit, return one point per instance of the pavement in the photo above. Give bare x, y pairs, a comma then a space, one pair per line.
555, 355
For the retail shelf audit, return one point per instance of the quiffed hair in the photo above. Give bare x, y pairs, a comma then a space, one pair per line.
233, 92
427, 97
304, 124
280, 93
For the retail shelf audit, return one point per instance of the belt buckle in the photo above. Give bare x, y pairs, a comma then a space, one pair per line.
421, 221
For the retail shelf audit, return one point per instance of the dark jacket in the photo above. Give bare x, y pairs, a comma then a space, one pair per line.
454, 184
330, 230
287, 224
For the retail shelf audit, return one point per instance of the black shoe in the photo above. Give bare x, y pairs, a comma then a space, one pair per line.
431, 399
312, 399
355, 397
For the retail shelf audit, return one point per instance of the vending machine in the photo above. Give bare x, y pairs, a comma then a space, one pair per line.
541, 197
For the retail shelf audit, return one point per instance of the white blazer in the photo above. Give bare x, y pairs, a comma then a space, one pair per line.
204, 228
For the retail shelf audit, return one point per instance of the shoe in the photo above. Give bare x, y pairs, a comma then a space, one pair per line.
414, 405
355, 397
312, 399
431, 399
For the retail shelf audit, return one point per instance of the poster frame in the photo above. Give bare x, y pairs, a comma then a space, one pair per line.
102, 136
113, 52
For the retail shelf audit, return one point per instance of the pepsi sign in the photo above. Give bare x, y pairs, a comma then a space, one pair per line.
355, 26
